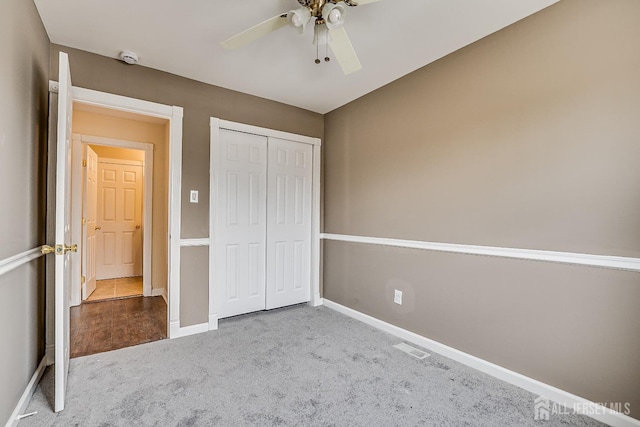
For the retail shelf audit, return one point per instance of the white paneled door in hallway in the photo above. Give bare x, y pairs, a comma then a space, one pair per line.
119, 219
262, 207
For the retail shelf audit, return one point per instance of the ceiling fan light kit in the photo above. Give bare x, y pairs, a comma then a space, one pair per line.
328, 17
299, 18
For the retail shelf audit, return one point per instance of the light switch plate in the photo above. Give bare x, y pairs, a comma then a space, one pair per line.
397, 296
193, 198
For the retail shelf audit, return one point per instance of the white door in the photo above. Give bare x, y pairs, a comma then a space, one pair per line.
89, 224
240, 223
119, 216
63, 232
289, 185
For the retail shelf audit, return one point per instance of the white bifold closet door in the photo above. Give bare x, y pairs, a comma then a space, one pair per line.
288, 223
242, 223
263, 223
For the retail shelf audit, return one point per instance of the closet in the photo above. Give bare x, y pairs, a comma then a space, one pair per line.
262, 225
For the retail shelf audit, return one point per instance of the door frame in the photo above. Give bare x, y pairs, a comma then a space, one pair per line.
174, 114
215, 125
77, 197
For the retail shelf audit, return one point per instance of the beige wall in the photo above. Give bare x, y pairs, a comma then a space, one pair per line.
529, 138
192, 260
118, 153
200, 102
96, 124
24, 72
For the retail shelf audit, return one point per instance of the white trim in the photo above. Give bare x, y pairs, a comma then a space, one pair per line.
214, 136
194, 242
270, 133
605, 415
213, 322
113, 142
23, 403
178, 332
11, 263
604, 261
315, 230
108, 161
123, 103
175, 191
175, 115
78, 193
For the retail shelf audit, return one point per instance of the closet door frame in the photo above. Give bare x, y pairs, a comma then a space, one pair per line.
215, 125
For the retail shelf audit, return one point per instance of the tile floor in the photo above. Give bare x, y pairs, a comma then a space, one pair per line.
116, 288
109, 325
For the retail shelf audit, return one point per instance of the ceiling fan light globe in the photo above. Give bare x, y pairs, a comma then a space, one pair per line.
334, 14
335, 17
299, 18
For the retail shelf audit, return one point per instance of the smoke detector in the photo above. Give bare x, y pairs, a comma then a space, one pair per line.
130, 58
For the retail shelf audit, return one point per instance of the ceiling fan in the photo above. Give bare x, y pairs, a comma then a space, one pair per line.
328, 19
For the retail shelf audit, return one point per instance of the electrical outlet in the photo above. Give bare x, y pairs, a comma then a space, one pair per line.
397, 297
193, 196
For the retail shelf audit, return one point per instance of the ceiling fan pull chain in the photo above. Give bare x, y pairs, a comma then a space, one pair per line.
326, 48
315, 29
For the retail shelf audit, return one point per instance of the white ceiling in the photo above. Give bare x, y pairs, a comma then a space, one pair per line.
392, 38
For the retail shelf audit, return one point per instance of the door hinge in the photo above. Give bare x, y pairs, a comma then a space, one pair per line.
84, 163
82, 279
84, 221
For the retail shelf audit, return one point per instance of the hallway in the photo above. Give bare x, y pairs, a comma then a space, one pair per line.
110, 325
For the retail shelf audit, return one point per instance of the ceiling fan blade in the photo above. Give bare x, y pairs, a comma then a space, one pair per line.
255, 32
343, 50
358, 2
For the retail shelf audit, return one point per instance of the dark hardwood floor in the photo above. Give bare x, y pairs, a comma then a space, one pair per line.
109, 325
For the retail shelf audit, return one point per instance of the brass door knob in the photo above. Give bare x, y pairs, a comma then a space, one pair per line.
46, 249
137, 227
98, 228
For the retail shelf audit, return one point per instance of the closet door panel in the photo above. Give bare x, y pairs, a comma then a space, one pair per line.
240, 240
289, 189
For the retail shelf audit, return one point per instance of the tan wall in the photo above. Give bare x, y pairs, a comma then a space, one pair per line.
192, 260
24, 72
529, 138
200, 102
118, 153
95, 124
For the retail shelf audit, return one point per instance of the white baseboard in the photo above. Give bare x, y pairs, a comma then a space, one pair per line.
175, 331
554, 394
23, 403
